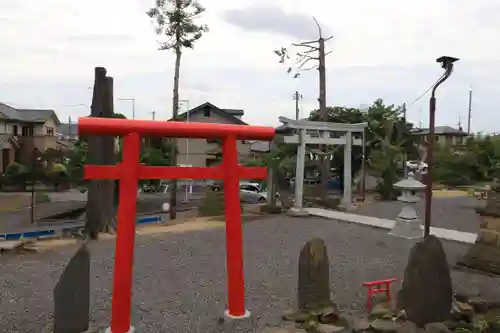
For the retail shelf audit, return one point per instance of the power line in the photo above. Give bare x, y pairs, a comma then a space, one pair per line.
425, 92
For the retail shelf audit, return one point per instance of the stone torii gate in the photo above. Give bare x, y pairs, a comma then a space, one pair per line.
305, 133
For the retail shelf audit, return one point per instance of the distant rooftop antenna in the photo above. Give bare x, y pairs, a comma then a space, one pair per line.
470, 110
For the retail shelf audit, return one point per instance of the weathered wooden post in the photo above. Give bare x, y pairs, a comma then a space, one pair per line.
101, 206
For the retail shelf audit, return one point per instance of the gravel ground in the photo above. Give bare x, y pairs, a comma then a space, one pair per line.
180, 283
456, 213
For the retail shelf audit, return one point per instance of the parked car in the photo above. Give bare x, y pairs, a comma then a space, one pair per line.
252, 192
249, 192
216, 186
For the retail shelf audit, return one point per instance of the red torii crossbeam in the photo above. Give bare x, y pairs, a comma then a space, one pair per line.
130, 171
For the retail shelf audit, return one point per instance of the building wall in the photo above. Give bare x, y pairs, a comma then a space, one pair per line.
45, 128
43, 138
6, 146
448, 140
3, 127
198, 148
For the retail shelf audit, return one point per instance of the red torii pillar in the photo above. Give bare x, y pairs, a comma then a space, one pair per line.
130, 171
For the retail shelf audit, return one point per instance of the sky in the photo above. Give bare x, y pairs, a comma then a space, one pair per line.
380, 49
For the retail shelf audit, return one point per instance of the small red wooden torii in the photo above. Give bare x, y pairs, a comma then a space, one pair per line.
130, 171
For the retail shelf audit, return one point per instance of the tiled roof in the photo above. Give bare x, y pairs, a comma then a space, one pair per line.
440, 130
26, 115
230, 114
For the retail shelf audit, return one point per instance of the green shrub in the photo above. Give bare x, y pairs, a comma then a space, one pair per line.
213, 204
57, 175
15, 169
41, 197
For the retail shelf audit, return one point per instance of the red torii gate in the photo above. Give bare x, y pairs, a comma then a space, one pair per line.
130, 171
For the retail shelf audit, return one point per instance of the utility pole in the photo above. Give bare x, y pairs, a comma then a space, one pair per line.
325, 161
470, 111
405, 156
297, 97
69, 128
153, 113
187, 188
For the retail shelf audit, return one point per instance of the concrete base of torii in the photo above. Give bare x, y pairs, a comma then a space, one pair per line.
347, 207
297, 212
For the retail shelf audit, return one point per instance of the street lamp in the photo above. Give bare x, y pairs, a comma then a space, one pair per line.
447, 64
132, 99
34, 169
186, 102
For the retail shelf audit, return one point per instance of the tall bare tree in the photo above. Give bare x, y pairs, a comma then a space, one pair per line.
312, 56
175, 20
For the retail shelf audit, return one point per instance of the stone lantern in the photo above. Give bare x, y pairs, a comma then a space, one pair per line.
408, 225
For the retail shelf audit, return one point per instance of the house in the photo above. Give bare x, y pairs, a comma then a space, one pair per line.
197, 152
444, 135
22, 130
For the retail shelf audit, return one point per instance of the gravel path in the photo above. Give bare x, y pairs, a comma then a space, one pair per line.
456, 213
180, 283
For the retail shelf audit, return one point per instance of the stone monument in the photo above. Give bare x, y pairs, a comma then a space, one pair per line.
426, 294
314, 276
72, 295
484, 254
408, 225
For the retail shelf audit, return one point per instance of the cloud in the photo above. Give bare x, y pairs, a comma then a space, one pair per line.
376, 52
265, 95
99, 38
274, 20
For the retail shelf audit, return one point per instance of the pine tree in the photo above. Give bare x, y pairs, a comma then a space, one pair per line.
175, 20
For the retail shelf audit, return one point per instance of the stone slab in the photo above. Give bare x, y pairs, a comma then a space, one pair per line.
446, 234
72, 295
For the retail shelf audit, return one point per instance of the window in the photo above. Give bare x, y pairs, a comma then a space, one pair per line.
449, 140
27, 131
14, 130
460, 140
247, 187
206, 111
50, 131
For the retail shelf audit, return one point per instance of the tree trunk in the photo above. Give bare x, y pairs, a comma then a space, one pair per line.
101, 209
175, 111
325, 161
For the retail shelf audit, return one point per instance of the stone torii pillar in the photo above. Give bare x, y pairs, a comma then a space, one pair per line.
303, 133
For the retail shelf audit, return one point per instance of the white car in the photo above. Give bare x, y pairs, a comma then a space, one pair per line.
252, 192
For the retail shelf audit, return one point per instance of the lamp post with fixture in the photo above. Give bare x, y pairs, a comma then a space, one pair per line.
447, 64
